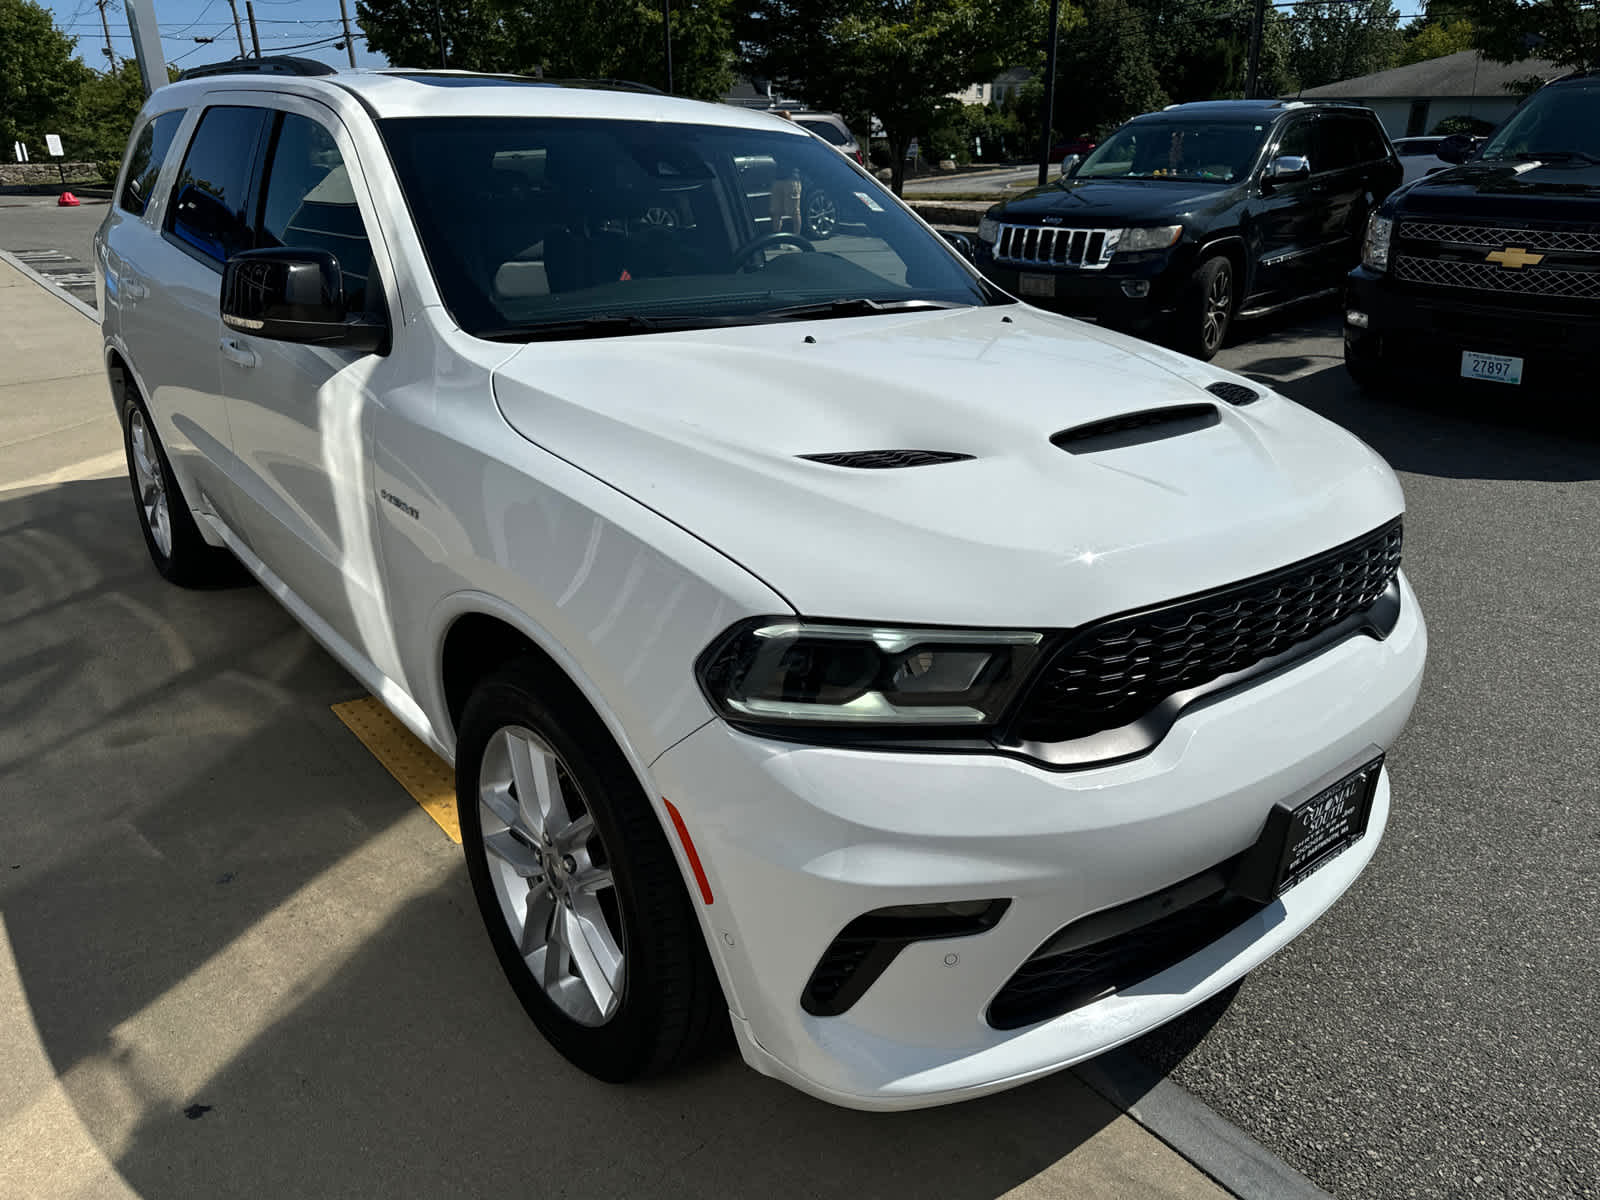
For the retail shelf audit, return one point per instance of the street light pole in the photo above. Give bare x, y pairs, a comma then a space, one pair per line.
666, 33
1049, 91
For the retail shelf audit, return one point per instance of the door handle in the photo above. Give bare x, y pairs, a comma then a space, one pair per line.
236, 351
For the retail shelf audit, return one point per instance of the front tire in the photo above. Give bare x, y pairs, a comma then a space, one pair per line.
576, 883
1206, 311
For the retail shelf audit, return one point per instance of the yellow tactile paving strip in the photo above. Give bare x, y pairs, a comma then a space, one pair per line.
420, 771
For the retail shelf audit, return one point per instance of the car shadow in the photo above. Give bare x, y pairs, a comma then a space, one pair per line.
253, 967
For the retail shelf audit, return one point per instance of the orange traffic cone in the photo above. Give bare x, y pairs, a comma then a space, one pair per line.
67, 200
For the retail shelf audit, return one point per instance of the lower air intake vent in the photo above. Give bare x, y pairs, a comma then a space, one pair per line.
1131, 429
886, 460
1235, 394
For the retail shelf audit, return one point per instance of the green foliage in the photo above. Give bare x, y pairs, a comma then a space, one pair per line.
103, 113
1434, 39
1105, 70
896, 60
1330, 40
1566, 32
38, 75
981, 132
1476, 126
589, 39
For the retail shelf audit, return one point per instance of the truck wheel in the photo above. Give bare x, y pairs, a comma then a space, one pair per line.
1207, 308
577, 885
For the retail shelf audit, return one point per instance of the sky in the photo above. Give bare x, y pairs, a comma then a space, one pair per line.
281, 23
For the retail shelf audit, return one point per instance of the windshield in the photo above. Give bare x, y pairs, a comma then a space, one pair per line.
1560, 120
1208, 151
603, 226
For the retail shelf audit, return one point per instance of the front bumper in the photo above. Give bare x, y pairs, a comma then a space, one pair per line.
1421, 334
1100, 294
798, 841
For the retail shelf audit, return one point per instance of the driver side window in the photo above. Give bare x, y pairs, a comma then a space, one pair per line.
1296, 143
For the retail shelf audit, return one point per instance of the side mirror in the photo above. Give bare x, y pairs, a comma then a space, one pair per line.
960, 241
295, 296
1290, 168
1070, 165
1455, 149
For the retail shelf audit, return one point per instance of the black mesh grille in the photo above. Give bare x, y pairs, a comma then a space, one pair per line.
1235, 394
1112, 673
881, 460
1048, 985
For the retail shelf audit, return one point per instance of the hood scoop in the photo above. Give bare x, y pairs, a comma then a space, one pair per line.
1235, 394
1136, 428
886, 460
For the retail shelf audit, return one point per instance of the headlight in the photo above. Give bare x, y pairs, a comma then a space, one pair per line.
1160, 237
1375, 248
778, 671
988, 229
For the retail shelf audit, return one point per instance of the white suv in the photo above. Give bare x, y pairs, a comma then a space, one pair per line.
936, 690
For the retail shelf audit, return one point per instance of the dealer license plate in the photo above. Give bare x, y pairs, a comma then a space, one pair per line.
1497, 368
1299, 839
1034, 284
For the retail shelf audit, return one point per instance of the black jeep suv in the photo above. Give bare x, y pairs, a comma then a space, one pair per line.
1490, 270
1188, 217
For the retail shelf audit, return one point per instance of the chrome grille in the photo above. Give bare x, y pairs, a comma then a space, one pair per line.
1552, 240
1525, 281
1047, 246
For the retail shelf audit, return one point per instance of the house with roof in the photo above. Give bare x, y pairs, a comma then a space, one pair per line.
1413, 99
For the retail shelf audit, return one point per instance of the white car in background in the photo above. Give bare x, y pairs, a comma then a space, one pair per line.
1417, 157
936, 690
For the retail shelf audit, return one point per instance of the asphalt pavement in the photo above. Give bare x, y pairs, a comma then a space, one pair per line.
56, 242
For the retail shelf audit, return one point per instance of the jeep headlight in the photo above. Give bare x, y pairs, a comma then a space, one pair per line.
988, 229
1158, 237
1375, 246
779, 671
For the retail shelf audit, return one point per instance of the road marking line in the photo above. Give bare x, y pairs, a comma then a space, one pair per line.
426, 776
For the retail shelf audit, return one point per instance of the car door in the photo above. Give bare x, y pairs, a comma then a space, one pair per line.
167, 268
1339, 189
1285, 237
302, 415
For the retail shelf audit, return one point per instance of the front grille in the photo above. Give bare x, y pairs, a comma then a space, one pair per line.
1045, 246
1495, 236
1050, 984
1117, 671
1477, 276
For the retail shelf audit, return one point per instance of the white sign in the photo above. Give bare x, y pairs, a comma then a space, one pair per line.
52, 143
20, 151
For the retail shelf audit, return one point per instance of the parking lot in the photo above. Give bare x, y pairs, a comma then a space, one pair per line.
251, 966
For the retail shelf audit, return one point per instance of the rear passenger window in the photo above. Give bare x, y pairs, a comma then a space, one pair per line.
1333, 144
211, 200
310, 205
144, 164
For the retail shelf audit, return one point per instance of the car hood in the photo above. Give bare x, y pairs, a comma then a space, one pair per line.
706, 427
1549, 191
1110, 201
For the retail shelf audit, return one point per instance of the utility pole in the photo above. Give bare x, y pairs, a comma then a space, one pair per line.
666, 31
1257, 32
255, 38
1049, 91
111, 55
349, 41
438, 31
238, 30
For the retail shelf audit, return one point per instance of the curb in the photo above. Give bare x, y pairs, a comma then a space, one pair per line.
951, 212
59, 293
1195, 1130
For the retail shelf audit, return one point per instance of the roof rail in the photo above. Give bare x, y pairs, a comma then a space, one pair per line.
282, 64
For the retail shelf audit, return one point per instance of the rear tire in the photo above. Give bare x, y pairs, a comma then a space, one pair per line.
580, 871
176, 548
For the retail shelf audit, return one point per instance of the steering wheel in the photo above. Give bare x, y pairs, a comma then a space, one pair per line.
743, 253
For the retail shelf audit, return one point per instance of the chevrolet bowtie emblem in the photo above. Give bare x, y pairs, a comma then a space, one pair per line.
1514, 258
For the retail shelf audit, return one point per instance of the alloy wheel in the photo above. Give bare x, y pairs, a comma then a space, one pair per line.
822, 215
151, 482
552, 876
1219, 304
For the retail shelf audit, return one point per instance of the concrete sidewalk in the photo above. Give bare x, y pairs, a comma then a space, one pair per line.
236, 959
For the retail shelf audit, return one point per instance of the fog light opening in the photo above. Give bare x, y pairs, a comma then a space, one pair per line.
1136, 289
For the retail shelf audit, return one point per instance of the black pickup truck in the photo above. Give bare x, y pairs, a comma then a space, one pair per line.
1489, 271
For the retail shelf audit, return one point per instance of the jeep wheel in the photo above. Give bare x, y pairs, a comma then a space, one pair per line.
821, 215
577, 884
1207, 309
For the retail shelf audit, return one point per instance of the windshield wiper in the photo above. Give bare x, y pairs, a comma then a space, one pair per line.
594, 325
1555, 156
860, 306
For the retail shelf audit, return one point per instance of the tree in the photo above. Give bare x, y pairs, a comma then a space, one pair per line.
1105, 72
1331, 40
1428, 38
587, 39
1565, 32
104, 107
38, 74
896, 60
